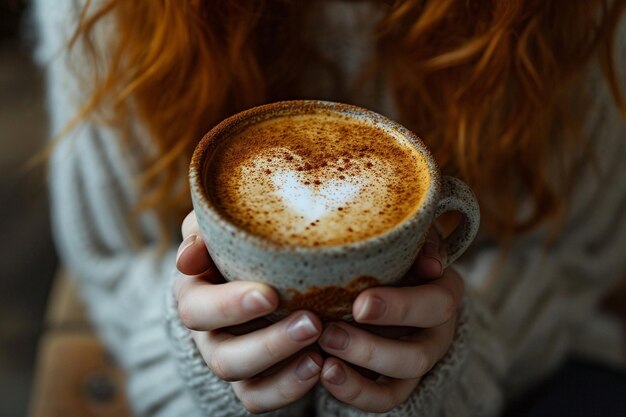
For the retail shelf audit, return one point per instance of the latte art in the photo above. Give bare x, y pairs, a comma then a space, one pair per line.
315, 204
316, 180
311, 201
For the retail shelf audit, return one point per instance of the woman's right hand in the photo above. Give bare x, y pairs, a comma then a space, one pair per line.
268, 368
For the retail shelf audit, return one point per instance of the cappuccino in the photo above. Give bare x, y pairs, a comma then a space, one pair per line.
318, 179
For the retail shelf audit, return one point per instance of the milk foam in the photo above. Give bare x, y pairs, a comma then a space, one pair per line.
317, 181
309, 203
316, 204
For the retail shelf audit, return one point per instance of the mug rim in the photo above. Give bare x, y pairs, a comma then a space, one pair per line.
294, 107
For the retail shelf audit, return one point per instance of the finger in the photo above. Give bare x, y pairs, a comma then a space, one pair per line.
205, 306
407, 358
429, 263
192, 257
425, 305
350, 387
235, 358
259, 395
210, 276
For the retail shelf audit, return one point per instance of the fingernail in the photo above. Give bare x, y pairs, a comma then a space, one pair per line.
189, 240
373, 308
335, 375
302, 329
431, 251
335, 338
255, 302
307, 369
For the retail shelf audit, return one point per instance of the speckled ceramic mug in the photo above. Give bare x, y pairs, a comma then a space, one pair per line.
327, 279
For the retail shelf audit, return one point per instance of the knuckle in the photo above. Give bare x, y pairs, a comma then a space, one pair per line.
184, 286
247, 405
370, 353
250, 406
186, 313
402, 312
354, 394
270, 349
421, 362
449, 303
225, 309
181, 285
248, 402
218, 365
285, 393
386, 404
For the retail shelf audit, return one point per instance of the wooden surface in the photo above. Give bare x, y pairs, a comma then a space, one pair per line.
75, 375
65, 307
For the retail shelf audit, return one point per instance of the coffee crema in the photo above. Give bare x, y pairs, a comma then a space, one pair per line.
319, 179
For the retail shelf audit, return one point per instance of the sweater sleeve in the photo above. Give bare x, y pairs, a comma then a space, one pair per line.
120, 272
526, 311
123, 275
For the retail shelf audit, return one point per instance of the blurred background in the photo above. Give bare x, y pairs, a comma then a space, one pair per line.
27, 256
28, 261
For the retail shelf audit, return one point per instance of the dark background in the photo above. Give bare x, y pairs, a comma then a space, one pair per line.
27, 257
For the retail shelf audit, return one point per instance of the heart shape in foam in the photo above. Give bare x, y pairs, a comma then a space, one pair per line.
313, 202
288, 198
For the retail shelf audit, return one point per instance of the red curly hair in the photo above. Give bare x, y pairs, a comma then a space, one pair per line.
493, 87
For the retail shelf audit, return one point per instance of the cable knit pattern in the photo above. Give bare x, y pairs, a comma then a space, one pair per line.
521, 316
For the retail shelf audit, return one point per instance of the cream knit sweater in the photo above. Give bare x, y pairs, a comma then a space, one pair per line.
522, 314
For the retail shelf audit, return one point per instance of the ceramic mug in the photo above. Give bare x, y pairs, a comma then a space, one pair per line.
327, 279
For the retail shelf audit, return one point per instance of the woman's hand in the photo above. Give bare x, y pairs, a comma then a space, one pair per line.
268, 368
430, 309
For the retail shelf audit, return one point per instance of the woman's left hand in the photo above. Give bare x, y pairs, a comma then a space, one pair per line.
430, 309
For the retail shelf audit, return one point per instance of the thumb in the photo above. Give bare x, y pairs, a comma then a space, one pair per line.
192, 257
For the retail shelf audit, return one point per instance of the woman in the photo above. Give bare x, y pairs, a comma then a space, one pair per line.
520, 99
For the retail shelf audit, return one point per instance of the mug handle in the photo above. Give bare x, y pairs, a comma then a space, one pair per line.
457, 196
